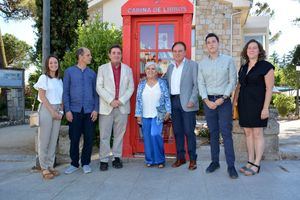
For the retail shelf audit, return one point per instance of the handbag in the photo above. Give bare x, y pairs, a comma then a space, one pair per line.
34, 117
161, 112
235, 114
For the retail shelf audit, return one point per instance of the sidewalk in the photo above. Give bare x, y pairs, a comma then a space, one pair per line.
289, 139
277, 180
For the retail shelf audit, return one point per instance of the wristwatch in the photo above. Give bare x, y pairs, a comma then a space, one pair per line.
224, 97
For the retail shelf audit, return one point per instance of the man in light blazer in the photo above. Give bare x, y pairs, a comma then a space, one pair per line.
182, 79
115, 87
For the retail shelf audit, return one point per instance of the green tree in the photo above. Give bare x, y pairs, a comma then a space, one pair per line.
296, 56
13, 10
64, 21
30, 92
17, 9
290, 75
278, 73
296, 21
274, 58
263, 9
98, 37
18, 53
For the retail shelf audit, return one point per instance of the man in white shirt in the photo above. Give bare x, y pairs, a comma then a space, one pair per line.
182, 79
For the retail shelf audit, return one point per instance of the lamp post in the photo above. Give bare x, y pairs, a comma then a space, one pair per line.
298, 83
46, 32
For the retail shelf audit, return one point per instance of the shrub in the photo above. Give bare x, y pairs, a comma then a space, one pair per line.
285, 104
96, 36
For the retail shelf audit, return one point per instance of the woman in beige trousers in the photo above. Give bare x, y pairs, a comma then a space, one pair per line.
50, 89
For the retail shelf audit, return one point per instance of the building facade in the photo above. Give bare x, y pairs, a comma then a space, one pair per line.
229, 19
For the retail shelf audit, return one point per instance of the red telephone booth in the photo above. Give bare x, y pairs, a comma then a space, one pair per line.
150, 27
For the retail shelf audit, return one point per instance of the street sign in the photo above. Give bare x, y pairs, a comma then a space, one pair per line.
11, 78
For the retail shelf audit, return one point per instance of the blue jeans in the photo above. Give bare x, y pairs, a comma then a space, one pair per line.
153, 141
81, 124
220, 120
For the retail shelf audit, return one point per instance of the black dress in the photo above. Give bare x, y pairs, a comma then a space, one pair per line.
252, 94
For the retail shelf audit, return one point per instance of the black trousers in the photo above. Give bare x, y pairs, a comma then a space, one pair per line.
81, 124
183, 125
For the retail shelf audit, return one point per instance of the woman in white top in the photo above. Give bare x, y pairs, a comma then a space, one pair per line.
50, 89
153, 106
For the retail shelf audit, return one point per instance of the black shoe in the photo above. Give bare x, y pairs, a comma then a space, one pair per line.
232, 172
103, 166
213, 166
117, 163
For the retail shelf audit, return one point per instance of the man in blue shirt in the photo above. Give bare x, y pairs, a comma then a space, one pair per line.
216, 80
81, 103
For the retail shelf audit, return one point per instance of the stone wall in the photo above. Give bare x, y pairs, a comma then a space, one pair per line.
271, 139
63, 145
15, 104
215, 16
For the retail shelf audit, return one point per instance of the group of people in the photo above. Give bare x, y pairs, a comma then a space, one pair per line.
83, 96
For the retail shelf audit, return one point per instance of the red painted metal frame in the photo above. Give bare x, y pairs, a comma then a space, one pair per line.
149, 11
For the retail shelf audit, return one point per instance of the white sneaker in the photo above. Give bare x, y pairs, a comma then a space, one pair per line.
71, 169
86, 169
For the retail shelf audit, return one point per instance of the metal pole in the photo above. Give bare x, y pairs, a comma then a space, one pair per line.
3, 62
298, 84
46, 31
231, 31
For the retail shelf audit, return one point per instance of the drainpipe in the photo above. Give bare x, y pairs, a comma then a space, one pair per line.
231, 29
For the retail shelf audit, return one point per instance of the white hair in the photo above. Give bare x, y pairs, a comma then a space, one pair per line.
148, 64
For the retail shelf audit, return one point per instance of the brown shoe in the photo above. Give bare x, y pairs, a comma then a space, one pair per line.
193, 165
178, 163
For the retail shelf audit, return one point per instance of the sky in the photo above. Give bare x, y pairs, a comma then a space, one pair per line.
284, 14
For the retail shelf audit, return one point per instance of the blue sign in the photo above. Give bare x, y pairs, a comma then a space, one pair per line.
11, 78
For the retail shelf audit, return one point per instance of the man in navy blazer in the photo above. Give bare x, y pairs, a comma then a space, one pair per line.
182, 79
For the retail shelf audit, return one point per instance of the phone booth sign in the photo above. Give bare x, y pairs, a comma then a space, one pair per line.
150, 27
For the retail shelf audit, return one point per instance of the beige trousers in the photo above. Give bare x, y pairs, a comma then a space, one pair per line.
47, 137
117, 122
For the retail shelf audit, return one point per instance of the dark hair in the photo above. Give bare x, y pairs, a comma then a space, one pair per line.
47, 73
261, 55
179, 42
211, 35
80, 52
114, 46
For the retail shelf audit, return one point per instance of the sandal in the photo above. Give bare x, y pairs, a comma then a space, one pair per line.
251, 172
243, 169
148, 165
162, 165
47, 175
54, 171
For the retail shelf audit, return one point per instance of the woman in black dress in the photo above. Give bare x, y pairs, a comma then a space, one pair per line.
252, 96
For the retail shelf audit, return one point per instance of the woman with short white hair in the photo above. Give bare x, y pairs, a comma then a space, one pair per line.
153, 107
